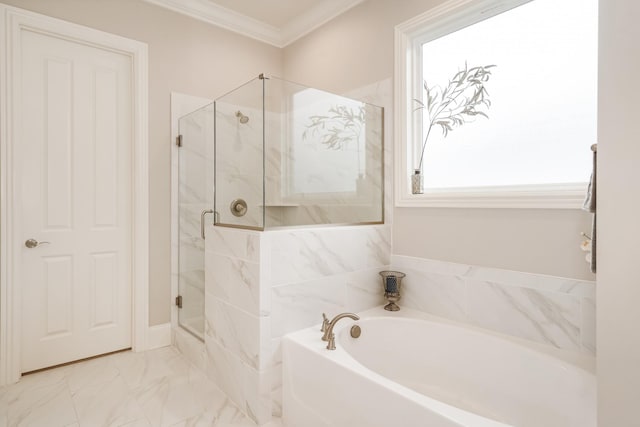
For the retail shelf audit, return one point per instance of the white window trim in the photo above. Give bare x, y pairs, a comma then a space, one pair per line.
409, 36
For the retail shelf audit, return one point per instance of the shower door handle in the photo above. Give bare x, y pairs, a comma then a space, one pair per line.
202, 214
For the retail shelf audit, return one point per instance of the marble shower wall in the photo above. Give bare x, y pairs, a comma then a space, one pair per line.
550, 310
239, 167
239, 151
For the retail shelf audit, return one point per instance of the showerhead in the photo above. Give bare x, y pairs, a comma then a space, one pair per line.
241, 117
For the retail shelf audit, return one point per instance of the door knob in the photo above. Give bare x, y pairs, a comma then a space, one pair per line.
33, 243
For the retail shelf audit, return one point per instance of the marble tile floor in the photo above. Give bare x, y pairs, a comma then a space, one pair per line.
155, 388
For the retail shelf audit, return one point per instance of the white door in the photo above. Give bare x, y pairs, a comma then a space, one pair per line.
74, 171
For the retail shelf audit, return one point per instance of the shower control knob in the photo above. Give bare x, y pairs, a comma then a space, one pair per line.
238, 207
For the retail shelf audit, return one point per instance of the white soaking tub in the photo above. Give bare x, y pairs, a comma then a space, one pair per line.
410, 369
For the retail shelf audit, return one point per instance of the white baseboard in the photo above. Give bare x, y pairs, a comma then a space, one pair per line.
159, 336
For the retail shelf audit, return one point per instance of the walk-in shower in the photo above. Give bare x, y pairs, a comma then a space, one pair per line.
278, 154
306, 157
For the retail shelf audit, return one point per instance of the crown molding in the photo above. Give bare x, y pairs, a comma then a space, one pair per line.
314, 18
228, 19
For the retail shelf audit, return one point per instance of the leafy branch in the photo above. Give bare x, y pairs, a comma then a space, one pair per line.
341, 126
464, 98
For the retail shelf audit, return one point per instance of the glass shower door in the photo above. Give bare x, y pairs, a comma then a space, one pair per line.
195, 204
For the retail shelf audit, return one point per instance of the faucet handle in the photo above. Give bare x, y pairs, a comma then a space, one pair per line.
325, 323
325, 326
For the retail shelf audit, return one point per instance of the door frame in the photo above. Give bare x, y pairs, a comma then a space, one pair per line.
12, 22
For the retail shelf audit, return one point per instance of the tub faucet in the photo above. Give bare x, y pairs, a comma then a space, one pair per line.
329, 336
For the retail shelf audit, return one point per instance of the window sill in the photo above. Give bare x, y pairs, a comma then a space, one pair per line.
550, 196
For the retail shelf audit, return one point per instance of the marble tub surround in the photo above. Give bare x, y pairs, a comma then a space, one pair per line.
305, 254
555, 311
262, 285
318, 270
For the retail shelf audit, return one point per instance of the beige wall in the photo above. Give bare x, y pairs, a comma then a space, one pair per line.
355, 50
350, 52
187, 56
540, 241
618, 296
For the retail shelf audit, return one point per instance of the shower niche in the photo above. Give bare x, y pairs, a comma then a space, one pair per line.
288, 155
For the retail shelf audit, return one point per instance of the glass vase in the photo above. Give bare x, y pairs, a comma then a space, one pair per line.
417, 183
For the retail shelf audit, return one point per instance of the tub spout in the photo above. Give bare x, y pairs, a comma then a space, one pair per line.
329, 336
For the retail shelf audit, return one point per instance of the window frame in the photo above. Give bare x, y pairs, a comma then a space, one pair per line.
409, 37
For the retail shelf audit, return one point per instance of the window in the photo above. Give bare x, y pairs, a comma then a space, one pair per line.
526, 143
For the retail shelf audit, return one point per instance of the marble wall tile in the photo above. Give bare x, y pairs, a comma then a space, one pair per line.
244, 335
257, 395
266, 269
239, 162
552, 310
364, 289
276, 390
247, 387
401, 262
533, 281
190, 347
300, 305
548, 318
275, 353
236, 330
141, 422
238, 185
301, 255
226, 370
588, 329
439, 294
242, 244
234, 281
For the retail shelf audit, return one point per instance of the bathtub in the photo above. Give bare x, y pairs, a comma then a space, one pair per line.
410, 369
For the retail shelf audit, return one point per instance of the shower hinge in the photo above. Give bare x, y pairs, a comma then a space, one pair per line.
179, 301
179, 140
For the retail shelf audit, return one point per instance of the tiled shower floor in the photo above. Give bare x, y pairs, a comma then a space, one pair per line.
155, 388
